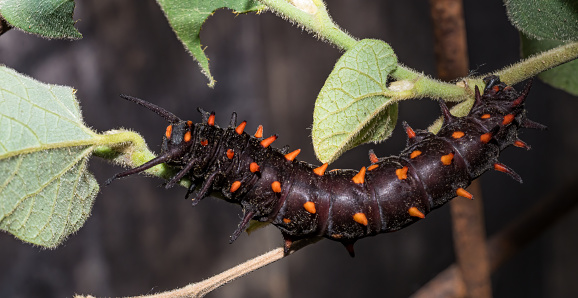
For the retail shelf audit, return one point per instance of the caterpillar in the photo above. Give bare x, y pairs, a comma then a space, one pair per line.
304, 200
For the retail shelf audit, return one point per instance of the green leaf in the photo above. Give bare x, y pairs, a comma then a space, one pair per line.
187, 16
46, 192
565, 76
351, 108
540, 19
47, 18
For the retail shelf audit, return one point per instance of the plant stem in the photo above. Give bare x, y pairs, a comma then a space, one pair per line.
538, 63
129, 149
315, 19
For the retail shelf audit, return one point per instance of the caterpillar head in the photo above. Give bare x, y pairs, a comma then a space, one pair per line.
176, 141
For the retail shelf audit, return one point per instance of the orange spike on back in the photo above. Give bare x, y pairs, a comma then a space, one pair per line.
360, 218
230, 153
373, 158
320, 170
360, 177
268, 141
254, 167
235, 186
211, 120
508, 119
413, 211
447, 159
190, 123
169, 131
458, 134
410, 132
372, 167
310, 207
521, 144
401, 173
291, 156
464, 193
276, 186
241, 127
415, 154
485, 138
259, 132
187, 136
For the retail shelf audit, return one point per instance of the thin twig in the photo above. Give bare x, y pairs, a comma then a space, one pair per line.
202, 288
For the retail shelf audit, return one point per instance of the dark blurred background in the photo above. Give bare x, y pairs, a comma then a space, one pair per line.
142, 239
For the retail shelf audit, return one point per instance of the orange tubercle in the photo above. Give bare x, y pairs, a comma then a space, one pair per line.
204, 142
521, 144
169, 131
485, 138
486, 116
415, 154
291, 156
401, 173
190, 123
320, 170
447, 159
268, 141
259, 132
458, 134
413, 211
360, 177
360, 218
230, 153
276, 186
373, 158
241, 127
310, 207
235, 186
463, 193
508, 119
211, 120
372, 167
410, 132
286, 220
187, 136
254, 167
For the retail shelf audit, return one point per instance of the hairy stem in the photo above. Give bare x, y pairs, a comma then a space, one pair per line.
538, 63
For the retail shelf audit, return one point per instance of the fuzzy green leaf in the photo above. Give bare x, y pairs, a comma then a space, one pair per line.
351, 108
46, 192
545, 19
563, 77
47, 18
186, 17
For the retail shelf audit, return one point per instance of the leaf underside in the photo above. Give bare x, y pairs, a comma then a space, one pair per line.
47, 18
186, 17
46, 192
351, 109
539, 19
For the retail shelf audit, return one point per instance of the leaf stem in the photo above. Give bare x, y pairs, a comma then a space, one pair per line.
314, 18
538, 63
129, 149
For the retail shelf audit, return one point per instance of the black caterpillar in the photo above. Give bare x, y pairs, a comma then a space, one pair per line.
304, 201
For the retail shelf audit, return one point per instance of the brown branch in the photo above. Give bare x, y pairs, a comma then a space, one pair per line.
510, 240
202, 288
467, 217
